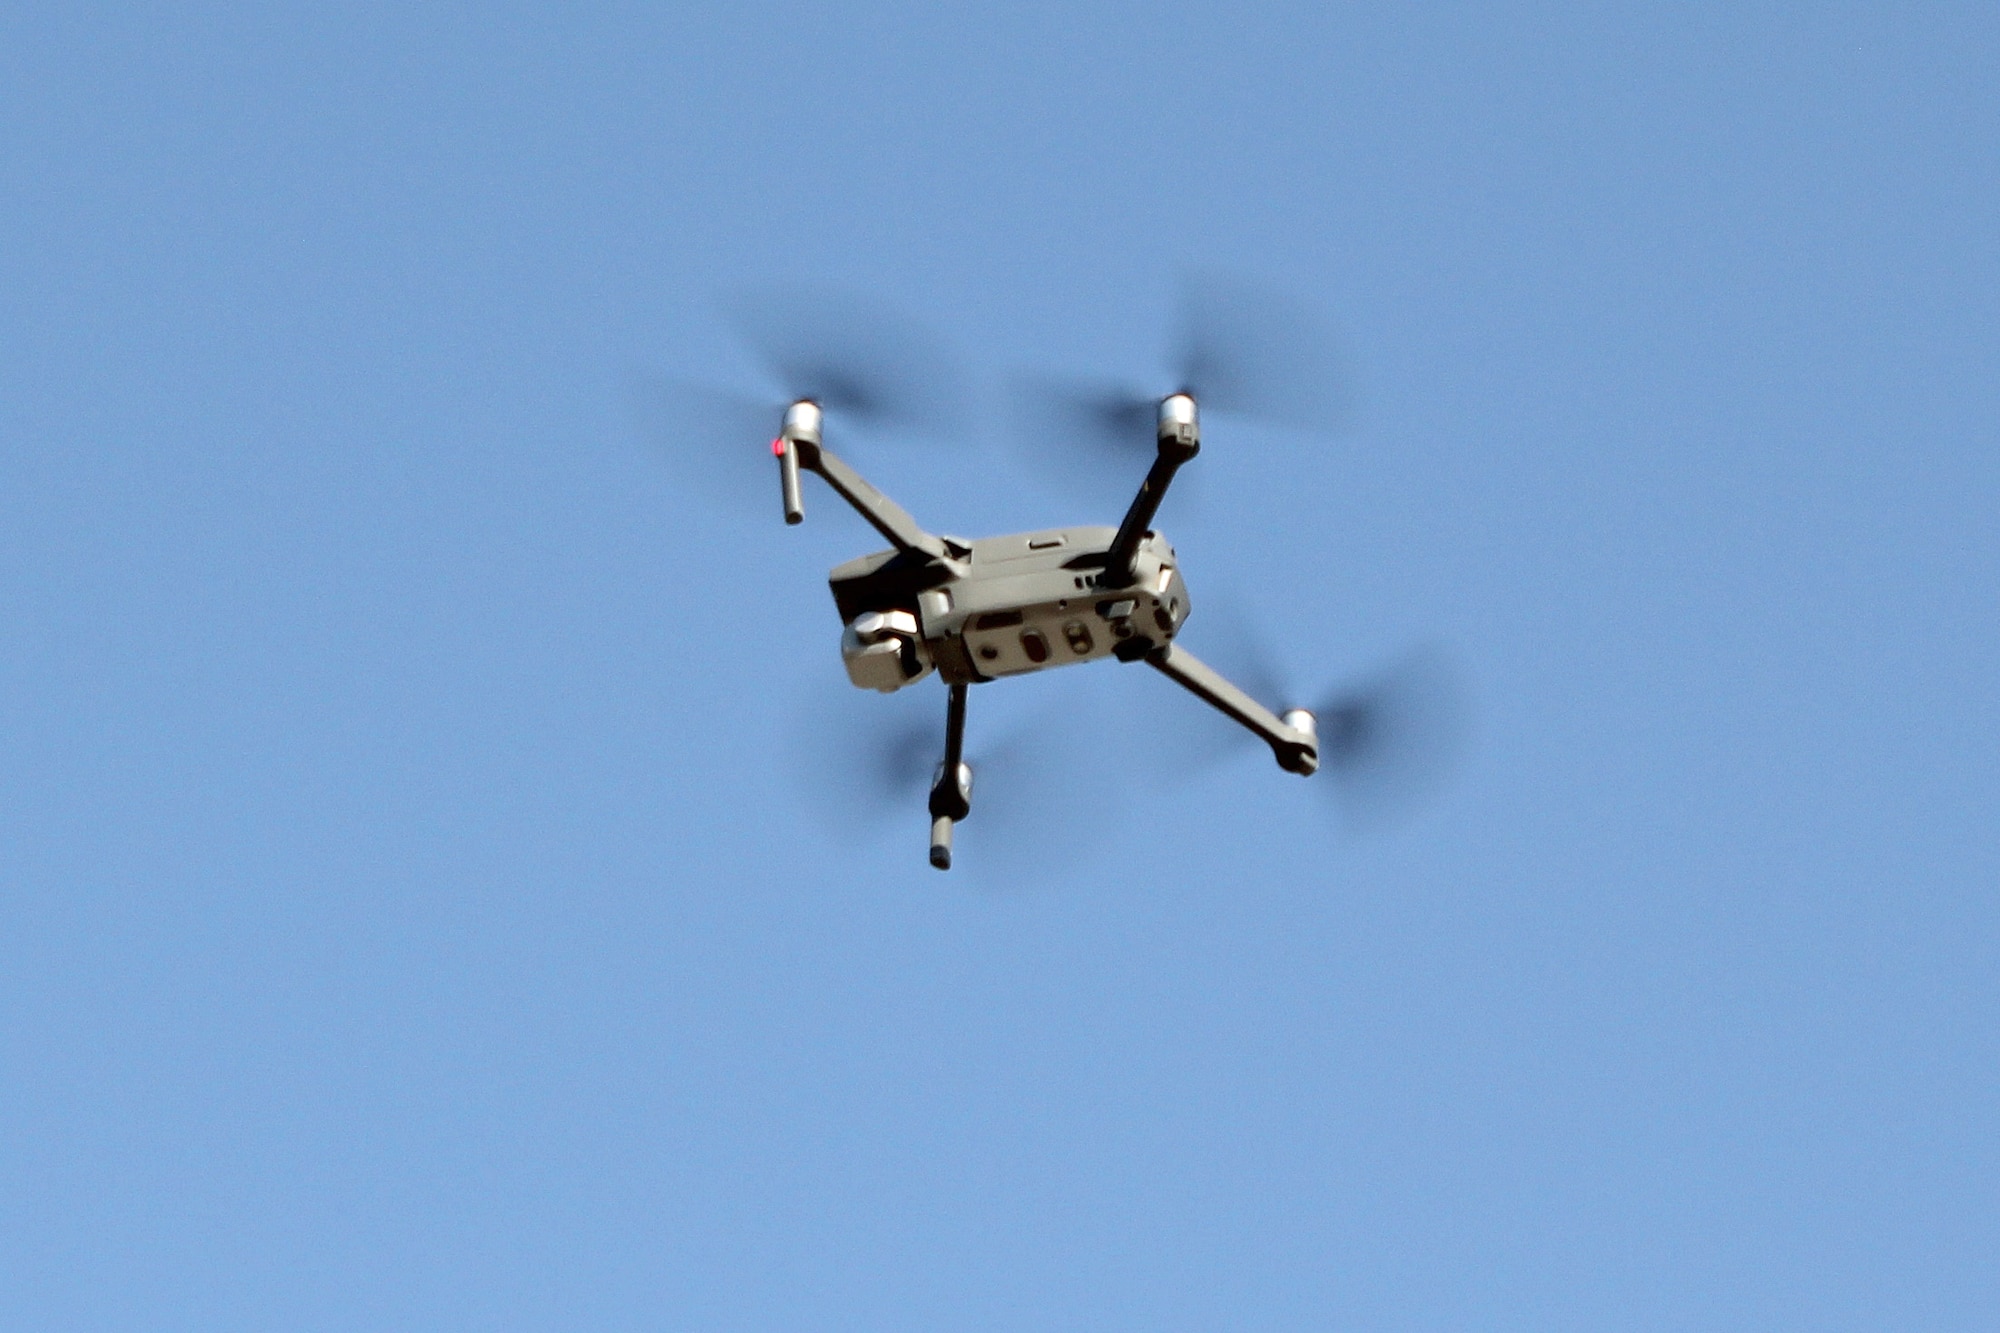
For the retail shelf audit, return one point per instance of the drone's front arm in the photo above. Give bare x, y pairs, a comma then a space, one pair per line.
798, 446
1297, 749
883, 514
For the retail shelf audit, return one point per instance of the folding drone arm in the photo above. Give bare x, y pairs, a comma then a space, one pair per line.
883, 514
798, 446
1179, 437
951, 792
1296, 748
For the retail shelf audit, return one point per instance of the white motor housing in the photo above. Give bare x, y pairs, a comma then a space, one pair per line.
883, 651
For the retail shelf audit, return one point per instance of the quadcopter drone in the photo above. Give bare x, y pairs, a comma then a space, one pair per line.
976, 611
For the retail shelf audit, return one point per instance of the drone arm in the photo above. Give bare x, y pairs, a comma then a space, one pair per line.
1296, 751
883, 514
951, 794
1179, 440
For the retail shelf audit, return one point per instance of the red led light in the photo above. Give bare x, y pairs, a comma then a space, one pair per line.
778, 447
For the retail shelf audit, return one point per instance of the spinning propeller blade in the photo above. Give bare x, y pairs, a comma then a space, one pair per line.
1237, 348
855, 358
713, 441
864, 763
861, 760
1387, 742
1252, 352
870, 368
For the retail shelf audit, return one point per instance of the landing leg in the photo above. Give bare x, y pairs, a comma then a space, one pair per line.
951, 793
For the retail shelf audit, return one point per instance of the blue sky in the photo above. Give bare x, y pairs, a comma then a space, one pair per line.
416, 912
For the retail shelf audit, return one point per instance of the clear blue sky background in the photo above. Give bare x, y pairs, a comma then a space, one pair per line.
410, 917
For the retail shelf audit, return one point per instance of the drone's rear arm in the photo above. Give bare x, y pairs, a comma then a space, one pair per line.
1297, 751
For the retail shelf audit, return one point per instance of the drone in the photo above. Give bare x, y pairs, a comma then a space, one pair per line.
976, 611
995, 607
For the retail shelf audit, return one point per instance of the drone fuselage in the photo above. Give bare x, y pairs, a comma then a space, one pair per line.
1006, 606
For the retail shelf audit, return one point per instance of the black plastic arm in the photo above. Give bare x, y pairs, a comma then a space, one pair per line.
948, 797
1180, 440
951, 794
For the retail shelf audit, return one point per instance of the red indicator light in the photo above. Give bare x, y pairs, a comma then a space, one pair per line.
778, 447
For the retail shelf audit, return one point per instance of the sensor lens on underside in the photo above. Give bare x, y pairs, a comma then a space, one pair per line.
1079, 638
1034, 645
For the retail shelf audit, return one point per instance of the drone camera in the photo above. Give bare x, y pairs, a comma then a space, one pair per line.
883, 651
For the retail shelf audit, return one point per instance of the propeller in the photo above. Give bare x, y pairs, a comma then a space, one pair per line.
863, 362
861, 759
1390, 740
1238, 348
864, 764
1387, 740
873, 370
